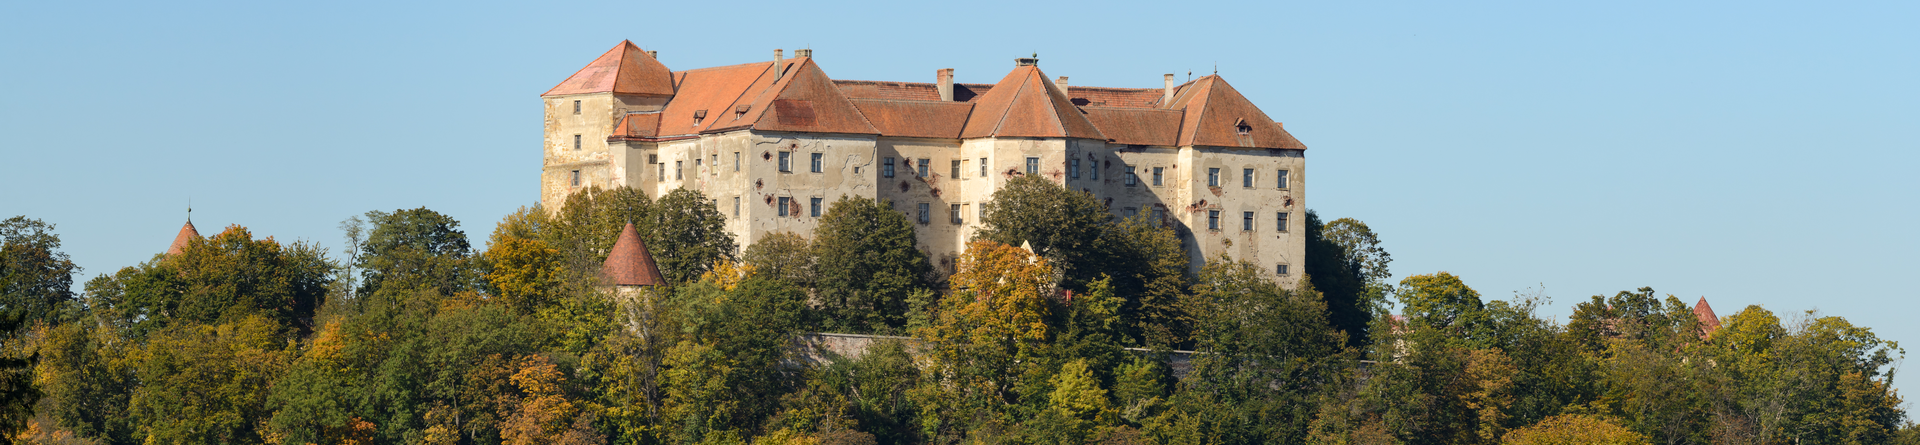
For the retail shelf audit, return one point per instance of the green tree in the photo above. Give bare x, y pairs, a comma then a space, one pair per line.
585, 227
1442, 301
985, 341
689, 236
1061, 224
1148, 269
208, 383
784, 256
1574, 429
867, 265
415, 249
1346, 263
1264, 352
35, 288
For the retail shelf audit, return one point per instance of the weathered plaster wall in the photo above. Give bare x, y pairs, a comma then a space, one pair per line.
597, 163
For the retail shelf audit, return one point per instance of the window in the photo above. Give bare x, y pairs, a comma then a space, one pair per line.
886, 168
816, 162
653, 159
922, 171
980, 213
576, 178
1213, 220
678, 174
696, 164
786, 162
954, 213
1160, 215
1157, 175
1246, 221
1093, 170
813, 207
663, 171
1283, 178
1073, 168
1213, 177
736, 207
736, 161
576, 107
983, 167
1129, 212
576, 142
1280, 269
924, 210
1131, 179
714, 166
1246, 177
1280, 221
1033, 166
784, 203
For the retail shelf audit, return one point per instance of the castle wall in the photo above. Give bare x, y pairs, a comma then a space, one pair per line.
597, 162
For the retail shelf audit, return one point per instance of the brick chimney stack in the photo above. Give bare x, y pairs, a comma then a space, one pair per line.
1166, 94
654, 54
1026, 61
1062, 83
802, 53
778, 56
946, 84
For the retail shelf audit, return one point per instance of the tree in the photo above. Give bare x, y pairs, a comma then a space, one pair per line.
1262, 348
689, 236
1061, 225
986, 338
585, 227
1574, 429
783, 256
412, 249
1346, 263
209, 383
523, 269
867, 265
35, 282
1441, 300
1148, 268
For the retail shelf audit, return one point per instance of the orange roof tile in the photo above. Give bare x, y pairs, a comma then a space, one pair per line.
915, 118
629, 264
187, 234
1216, 113
1114, 97
873, 89
713, 92
625, 69
805, 100
1708, 321
637, 125
1136, 126
1026, 104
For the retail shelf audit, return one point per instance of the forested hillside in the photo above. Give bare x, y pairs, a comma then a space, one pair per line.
418, 335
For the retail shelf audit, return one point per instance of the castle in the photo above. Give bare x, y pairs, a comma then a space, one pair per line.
773, 143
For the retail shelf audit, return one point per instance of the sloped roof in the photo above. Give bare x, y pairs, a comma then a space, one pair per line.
713, 91
1114, 97
638, 125
1026, 104
187, 234
876, 89
1136, 126
1708, 321
629, 264
915, 118
625, 69
805, 100
1214, 113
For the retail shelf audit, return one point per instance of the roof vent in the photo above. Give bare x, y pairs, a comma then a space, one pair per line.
654, 54
1027, 61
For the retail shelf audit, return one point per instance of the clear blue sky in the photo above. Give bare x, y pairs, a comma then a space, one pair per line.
1749, 152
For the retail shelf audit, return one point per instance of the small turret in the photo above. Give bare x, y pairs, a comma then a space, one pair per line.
629, 264
187, 234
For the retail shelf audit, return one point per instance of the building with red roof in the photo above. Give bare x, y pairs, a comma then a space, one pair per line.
774, 142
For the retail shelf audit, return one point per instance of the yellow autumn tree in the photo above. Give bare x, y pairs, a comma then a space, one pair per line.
1574, 429
988, 331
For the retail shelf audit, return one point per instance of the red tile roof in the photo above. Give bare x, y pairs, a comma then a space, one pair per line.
625, 69
1026, 104
916, 118
1708, 321
1136, 126
1115, 97
1217, 115
187, 234
872, 89
629, 264
805, 100
712, 92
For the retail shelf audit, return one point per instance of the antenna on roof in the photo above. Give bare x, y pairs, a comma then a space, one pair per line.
1216, 68
1189, 75
189, 209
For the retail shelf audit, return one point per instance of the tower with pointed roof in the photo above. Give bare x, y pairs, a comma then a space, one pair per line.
187, 235
774, 142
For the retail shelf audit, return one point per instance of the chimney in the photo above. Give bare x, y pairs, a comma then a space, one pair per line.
778, 55
1062, 83
946, 84
654, 54
1026, 61
1166, 95
801, 53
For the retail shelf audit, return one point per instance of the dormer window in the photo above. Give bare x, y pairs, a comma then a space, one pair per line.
741, 110
1240, 126
699, 115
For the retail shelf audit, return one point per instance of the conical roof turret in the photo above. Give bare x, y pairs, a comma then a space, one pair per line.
187, 234
629, 264
625, 69
1708, 321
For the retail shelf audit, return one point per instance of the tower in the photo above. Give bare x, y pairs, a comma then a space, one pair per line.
583, 110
